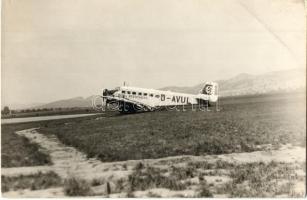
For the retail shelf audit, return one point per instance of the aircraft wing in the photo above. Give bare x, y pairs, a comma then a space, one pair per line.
140, 105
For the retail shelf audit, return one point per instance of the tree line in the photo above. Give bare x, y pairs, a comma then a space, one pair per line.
7, 111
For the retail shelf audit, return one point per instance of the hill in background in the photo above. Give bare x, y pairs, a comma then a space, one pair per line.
247, 84
242, 84
69, 103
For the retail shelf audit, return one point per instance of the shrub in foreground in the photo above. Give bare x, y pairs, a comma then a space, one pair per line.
152, 178
76, 187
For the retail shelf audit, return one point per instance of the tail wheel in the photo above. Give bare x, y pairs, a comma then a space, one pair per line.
204, 103
207, 103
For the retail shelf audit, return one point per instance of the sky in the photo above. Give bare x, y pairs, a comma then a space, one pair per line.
57, 49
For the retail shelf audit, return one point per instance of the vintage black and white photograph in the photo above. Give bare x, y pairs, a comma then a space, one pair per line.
153, 98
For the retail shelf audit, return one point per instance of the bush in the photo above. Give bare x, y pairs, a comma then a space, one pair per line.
201, 164
139, 166
204, 191
4, 188
223, 165
97, 182
120, 185
182, 173
152, 178
201, 178
76, 187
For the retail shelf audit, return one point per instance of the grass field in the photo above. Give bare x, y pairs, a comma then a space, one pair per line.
17, 151
243, 124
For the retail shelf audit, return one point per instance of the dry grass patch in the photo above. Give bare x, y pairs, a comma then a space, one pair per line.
261, 180
33, 182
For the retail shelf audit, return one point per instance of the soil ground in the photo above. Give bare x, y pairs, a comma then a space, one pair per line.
69, 162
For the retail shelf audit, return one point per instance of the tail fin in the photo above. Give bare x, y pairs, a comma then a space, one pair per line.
211, 89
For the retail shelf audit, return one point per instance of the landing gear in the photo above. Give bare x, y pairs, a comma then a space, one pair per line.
203, 103
126, 108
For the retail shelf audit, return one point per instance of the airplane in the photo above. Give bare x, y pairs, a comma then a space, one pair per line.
128, 99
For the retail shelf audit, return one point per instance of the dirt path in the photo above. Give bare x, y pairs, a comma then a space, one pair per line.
69, 162
287, 154
47, 193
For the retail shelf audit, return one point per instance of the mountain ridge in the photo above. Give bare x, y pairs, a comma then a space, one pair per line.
241, 84
248, 84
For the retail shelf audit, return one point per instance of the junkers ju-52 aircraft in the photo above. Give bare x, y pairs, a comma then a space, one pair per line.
133, 99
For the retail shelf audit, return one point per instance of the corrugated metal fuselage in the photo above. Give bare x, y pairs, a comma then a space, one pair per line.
132, 99
157, 98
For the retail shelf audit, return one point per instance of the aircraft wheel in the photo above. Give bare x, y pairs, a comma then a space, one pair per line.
126, 108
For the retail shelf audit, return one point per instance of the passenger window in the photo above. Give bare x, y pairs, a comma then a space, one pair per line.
123, 92
157, 96
140, 93
151, 95
128, 92
134, 93
145, 94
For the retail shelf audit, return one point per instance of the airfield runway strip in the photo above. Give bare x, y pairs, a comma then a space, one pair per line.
42, 118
